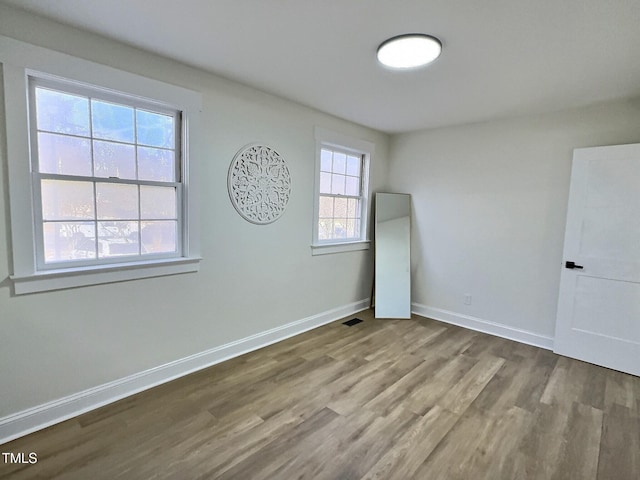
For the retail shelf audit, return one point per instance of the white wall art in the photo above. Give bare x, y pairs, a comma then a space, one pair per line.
259, 184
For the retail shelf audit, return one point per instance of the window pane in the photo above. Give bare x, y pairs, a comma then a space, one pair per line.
154, 129
351, 229
325, 228
339, 163
326, 207
325, 182
325, 160
159, 237
340, 228
353, 166
353, 208
337, 184
156, 164
340, 207
111, 121
69, 241
67, 200
64, 155
116, 239
353, 186
62, 112
157, 202
117, 201
114, 160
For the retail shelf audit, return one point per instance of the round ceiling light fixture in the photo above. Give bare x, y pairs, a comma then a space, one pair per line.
409, 51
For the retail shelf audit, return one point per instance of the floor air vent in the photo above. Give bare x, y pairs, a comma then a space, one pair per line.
352, 322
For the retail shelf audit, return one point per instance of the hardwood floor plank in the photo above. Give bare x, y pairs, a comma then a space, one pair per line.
262, 463
567, 383
402, 460
350, 450
374, 341
428, 394
395, 395
419, 335
496, 457
564, 443
620, 447
462, 441
620, 390
503, 389
329, 450
231, 452
373, 384
452, 342
535, 379
541, 446
582, 444
594, 387
469, 387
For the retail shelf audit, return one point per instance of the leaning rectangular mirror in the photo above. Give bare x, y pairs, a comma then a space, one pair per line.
392, 255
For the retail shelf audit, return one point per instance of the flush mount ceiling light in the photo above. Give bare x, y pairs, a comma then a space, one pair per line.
409, 51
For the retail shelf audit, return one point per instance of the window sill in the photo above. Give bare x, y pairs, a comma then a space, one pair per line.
325, 249
83, 276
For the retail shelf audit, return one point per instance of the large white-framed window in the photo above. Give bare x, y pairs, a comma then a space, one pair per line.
101, 176
341, 193
106, 176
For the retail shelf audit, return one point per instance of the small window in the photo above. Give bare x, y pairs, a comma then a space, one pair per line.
342, 187
341, 196
106, 177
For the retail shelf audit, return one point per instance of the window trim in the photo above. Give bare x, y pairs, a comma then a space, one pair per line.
337, 141
21, 60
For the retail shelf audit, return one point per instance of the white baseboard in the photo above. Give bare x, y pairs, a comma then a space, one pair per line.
484, 326
36, 418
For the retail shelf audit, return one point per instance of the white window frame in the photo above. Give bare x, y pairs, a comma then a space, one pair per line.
21, 61
337, 141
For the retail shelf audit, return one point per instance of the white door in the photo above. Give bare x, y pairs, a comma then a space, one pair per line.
599, 306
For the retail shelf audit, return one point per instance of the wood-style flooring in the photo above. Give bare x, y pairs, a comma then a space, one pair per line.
383, 399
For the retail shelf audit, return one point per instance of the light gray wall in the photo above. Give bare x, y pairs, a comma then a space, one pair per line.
253, 278
489, 206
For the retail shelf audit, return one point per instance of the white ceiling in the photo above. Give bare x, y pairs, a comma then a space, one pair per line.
500, 57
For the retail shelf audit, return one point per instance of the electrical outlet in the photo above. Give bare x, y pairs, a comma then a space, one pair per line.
467, 299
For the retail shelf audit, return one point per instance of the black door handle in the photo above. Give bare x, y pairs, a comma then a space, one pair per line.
572, 265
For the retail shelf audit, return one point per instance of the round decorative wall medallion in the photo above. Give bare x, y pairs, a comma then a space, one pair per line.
259, 184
